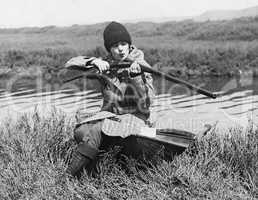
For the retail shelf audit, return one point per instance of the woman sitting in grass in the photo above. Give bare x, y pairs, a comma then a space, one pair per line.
128, 91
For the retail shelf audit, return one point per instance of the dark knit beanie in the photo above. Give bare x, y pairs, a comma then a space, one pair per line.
114, 33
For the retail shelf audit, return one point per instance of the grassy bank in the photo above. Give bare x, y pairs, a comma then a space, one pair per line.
222, 61
186, 48
34, 152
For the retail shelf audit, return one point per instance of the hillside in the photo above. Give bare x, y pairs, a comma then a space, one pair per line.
187, 29
211, 15
187, 47
227, 14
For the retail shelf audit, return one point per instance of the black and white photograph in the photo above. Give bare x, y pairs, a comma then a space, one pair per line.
139, 100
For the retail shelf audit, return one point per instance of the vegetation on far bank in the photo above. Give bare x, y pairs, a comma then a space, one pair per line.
35, 150
186, 48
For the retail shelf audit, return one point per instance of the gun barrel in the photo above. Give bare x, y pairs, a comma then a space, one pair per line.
180, 81
116, 65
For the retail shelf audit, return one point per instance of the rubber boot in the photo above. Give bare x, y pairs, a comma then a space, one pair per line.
81, 158
79, 161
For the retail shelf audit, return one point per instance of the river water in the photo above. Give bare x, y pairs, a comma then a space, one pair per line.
174, 106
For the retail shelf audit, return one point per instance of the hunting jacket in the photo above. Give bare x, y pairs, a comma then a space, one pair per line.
123, 93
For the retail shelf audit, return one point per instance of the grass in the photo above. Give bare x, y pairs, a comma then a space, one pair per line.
35, 149
187, 48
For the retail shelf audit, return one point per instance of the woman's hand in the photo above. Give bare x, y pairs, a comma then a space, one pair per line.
77, 61
102, 65
135, 69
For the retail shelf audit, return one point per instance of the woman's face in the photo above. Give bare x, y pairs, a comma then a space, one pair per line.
120, 51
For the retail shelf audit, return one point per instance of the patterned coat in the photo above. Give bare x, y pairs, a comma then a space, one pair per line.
122, 93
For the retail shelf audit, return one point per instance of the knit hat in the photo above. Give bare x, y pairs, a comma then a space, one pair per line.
114, 33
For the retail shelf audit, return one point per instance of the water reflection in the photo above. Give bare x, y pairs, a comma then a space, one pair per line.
237, 96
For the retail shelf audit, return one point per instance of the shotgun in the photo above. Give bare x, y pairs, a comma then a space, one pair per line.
117, 65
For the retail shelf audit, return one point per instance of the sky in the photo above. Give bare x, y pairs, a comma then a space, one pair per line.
24, 13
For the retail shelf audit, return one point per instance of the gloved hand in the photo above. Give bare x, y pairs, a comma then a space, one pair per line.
135, 69
102, 65
80, 61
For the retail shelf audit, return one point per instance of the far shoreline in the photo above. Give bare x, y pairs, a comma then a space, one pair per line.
34, 71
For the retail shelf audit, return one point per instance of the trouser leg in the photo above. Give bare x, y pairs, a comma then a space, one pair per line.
89, 139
